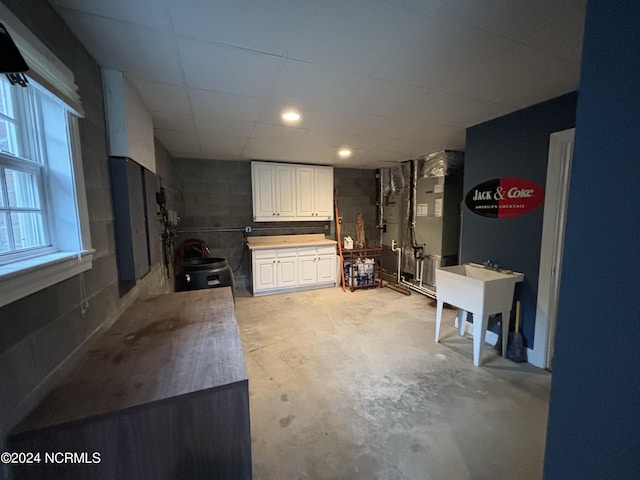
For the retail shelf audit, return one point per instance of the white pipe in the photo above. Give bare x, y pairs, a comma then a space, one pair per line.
420, 289
394, 244
402, 281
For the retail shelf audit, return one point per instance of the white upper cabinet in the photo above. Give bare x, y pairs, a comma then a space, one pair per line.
287, 192
274, 191
314, 199
323, 192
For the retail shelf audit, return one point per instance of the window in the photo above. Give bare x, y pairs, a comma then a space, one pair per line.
44, 222
24, 228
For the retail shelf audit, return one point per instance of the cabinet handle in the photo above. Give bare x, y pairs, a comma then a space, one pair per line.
273, 213
278, 213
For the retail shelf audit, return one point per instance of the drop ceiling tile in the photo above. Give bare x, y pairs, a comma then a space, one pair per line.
141, 52
277, 132
271, 113
180, 155
351, 36
178, 148
180, 122
341, 123
423, 7
162, 97
228, 70
211, 126
262, 149
562, 35
213, 142
396, 128
509, 18
269, 27
222, 147
455, 110
379, 97
316, 139
440, 52
223, 105
302, 153
144, 12
312, 85
169, 138
509, 81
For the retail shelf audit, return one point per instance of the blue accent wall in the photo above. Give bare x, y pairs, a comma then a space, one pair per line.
516, 145
594, 413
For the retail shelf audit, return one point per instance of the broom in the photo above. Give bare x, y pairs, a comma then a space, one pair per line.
515, 347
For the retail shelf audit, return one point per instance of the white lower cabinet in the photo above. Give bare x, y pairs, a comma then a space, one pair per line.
327, 267
290, 269
316, 265
276, 268
287, 268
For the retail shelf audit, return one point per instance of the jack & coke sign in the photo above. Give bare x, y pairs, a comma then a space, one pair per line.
504, 197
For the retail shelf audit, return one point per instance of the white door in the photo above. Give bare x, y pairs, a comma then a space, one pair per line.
304, 191
285, 191
264, 274
323, 193
307, 267
553, 228
287, 265
327, 268
264, 184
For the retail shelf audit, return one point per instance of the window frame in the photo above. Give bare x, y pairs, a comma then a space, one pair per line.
27, 117
73, 254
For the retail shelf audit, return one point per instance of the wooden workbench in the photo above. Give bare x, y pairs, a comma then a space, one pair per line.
163, 394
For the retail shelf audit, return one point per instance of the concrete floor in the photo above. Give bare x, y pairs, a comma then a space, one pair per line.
353, 386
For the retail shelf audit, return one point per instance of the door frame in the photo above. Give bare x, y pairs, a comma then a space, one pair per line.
553, 230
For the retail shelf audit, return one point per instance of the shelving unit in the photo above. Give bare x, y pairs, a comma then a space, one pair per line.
351, 255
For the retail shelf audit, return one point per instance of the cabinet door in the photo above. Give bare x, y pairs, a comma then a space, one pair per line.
307, 266
264, 273
304, 193
323, 193
326, 268
285, 191
263, 179
287, 264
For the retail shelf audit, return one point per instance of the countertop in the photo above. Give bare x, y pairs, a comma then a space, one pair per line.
163, 346
284, 241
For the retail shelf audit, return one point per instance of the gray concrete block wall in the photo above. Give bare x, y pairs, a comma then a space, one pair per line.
356, 191
41, 335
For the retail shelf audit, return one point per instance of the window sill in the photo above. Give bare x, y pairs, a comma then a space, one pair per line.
20, 279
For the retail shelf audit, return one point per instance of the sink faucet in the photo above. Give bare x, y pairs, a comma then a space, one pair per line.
491, 265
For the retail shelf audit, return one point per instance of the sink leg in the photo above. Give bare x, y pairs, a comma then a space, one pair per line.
506, 318
462, 321
480, 323
440, 304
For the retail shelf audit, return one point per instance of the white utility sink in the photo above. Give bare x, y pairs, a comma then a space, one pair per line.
481, 291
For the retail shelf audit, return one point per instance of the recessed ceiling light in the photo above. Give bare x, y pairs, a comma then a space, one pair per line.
344, 153
290, 116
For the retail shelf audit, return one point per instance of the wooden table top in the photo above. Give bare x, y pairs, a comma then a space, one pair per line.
163, 346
